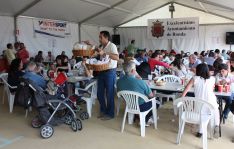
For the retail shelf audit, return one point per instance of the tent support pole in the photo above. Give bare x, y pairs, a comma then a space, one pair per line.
15, 29
171, 9
79, 31
21, 12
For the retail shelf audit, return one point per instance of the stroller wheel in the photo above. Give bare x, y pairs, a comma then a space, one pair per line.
79, 124
36, 123
68, 119
84, 115
46, 131
76, 125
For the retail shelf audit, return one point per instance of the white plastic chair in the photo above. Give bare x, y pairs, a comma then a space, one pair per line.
77, 65
92, 90
132, 107
168, 79
190, 111
7, 87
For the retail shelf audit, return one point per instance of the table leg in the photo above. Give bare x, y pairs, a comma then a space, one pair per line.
221, 114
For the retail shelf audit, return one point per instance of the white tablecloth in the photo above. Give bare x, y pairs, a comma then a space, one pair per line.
176, 87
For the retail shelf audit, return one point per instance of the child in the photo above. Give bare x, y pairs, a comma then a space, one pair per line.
225, 78
203, 89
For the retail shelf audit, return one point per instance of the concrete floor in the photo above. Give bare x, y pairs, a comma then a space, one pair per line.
16, 133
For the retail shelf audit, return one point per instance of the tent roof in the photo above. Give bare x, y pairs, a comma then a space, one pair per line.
108, 12
204, 18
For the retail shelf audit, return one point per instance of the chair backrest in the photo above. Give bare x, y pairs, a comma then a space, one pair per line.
170, 79
4, 77
192, 108
131, 98
77, 65
93, 88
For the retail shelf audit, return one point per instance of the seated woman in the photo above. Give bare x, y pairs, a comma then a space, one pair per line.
15, 73
203, 89
62, 64
178, 68
32, 75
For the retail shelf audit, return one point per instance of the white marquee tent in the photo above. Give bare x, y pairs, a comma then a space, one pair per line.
87, 17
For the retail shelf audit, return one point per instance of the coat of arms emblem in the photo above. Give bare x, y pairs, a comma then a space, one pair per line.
157, 29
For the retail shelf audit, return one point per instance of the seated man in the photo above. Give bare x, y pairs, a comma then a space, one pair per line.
131, 83
193, 62
33, 76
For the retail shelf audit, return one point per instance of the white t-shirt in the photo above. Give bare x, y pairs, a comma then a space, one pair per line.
203, 89
111, 48
80, 68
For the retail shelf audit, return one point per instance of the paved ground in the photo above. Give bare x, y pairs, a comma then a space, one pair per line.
17, 133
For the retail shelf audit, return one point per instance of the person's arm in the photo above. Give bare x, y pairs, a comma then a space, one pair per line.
138, 76
113, 56
26, 54
217, 81
163, 64
187, 88
147, 89
88, 72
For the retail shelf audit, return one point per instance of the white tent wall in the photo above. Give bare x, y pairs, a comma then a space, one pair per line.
91, 33
6, 31
210, 37
35, 42
139, 34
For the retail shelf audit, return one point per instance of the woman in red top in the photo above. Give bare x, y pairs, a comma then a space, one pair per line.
23, 53
155, 61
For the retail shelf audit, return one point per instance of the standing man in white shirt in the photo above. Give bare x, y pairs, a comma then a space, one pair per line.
107, 78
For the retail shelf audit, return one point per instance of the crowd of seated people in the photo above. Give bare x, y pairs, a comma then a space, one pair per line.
38, 69
137, 65
220, 65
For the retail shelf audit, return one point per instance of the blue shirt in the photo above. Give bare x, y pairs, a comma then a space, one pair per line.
197, 62
142, 59
37, 79
130, 83
209, 60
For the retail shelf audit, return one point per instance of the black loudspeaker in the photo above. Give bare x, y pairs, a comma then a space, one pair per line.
116, 39
229, 37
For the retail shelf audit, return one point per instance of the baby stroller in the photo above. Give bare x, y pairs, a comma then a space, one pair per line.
59, 87
53, 110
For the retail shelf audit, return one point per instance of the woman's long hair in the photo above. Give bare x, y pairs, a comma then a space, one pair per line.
202, 70
177, 61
